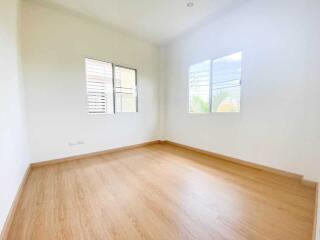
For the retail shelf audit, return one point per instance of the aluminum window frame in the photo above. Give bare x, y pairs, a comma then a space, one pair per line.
136, 86
114, 65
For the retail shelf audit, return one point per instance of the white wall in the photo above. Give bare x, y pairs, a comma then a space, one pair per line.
55, 44
13, 141
279, 121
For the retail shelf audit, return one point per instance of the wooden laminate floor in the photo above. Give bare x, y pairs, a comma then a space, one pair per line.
161, 192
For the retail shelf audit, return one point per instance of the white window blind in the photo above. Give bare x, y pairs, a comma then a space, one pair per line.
99, 87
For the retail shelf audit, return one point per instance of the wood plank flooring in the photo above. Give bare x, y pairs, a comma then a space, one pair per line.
161, 192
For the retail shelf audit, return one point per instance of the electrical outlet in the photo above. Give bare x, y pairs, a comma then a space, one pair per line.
71, 144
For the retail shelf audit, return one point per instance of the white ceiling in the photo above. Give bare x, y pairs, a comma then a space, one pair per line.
158, 21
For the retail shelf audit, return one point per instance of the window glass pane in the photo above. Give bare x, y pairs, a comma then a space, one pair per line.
126, 91
226, 99
199, 81
99, 86
226, 83
126, 102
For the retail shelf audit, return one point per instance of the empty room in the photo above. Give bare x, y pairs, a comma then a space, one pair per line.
159, 120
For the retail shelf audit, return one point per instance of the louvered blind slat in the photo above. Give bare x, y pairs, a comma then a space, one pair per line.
99, 86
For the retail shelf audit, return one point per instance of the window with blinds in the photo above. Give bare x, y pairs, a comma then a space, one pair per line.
99, 86
215, 86
110, 88
125, 89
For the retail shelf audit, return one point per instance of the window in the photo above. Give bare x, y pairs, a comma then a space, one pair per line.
110, 88
226, 83
216, 86
126, 92
199, 82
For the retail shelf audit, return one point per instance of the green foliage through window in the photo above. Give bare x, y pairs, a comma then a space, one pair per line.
198, 105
